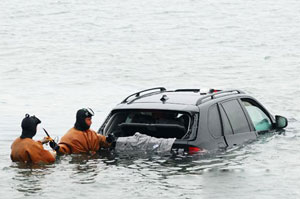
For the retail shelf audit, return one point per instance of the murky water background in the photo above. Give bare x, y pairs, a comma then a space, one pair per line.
58, 56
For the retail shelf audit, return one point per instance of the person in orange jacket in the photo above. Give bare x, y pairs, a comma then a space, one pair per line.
80, 138
25, 149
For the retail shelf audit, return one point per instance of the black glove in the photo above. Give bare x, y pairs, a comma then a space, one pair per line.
54, 146
110, 138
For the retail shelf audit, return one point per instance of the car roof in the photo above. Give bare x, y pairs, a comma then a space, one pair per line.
168, 97
162, 98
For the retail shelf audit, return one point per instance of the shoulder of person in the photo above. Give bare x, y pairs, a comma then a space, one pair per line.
92, 131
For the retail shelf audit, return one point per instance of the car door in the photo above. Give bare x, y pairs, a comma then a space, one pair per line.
259, 117
214, 125
236, 126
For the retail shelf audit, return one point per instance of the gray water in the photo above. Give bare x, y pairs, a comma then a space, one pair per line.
58, 56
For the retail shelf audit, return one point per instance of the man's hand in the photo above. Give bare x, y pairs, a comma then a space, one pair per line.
46, 140
54, 145
110, 138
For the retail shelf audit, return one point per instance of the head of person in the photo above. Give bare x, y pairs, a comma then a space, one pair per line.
84, 119
29, 126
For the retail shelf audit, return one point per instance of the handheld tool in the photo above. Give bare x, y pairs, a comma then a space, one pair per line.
48, 135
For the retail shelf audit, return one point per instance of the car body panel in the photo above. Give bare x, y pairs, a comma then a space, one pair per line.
216, 124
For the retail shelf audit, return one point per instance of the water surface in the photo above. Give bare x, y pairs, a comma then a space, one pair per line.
58, 56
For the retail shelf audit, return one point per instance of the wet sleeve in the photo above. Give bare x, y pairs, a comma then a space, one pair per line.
64, 149
39, 155
102, 141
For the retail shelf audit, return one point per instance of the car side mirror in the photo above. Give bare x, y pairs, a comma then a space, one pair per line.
281, 122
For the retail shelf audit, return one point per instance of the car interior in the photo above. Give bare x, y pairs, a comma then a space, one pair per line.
155, 123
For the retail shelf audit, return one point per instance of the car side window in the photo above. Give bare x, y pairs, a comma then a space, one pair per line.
258, 117
236, 116
214, 122
226, 125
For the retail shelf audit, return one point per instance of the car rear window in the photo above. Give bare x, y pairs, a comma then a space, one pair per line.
156, 123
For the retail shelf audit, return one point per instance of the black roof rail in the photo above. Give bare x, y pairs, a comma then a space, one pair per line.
138, 94
196, 90
187, 90
213, 95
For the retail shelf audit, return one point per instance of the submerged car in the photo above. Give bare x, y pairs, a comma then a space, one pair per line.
197, 119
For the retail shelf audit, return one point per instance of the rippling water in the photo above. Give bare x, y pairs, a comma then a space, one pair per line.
58, 56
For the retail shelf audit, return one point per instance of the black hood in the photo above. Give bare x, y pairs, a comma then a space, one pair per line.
29, 124
81, 114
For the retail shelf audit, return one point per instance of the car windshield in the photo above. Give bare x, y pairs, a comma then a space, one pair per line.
156, 123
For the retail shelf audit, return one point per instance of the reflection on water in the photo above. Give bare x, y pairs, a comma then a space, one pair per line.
85, 168
59, 56
139, 176
30, 178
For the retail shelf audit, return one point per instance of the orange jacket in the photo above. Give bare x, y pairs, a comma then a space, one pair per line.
29, 151
76, 141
